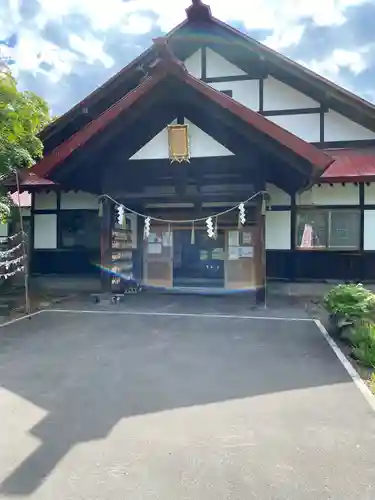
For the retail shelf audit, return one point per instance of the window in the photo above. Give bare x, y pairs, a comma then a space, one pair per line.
79, 229
227, 92
333, 229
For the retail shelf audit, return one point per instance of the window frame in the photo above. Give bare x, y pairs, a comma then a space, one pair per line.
72, 212
327, 212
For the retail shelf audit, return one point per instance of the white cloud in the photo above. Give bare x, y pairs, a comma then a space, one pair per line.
286, 19
330, 67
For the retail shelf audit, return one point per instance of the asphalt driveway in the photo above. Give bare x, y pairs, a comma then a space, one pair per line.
200, 407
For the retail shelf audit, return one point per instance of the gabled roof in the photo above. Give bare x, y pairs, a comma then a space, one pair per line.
199, 15
168, 65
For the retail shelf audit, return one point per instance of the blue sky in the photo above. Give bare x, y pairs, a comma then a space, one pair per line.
64, 49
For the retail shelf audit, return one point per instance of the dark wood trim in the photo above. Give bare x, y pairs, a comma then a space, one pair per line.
106, 244
204, 63
261, 95
290, 112
32, 226
293, 229
279, 208
362, 217
328, 207
234, 78
58, 220
363, 143
321, 124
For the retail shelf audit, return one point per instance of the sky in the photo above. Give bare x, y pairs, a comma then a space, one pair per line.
64, 49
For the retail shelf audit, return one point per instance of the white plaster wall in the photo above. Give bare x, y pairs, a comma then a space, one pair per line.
278, 196
218, 66
277, 95
278, 230
340, 128
78, 200
370, 194
201, 145
45, 231
3, 230
194, 64
307, 127
325, 194
45, 201
245, 92
369, 230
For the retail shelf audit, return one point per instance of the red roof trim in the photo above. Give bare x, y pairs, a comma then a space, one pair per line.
302, 148
61, 152
170, 65
351, 165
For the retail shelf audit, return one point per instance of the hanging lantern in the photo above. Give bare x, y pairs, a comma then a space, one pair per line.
178, 143
210, 227
241, 214
146, 229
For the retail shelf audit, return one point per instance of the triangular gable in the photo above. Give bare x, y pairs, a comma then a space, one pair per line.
168, 67
201, 26
202, 145
218, 66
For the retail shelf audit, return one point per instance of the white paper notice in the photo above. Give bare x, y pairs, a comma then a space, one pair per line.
233, 253
233, 238
167, 239
155, 248
247, 252
246, 238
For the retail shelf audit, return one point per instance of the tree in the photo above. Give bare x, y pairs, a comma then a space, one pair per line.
22, 116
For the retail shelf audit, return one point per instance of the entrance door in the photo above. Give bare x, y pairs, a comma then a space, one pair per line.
198, 264
158, 269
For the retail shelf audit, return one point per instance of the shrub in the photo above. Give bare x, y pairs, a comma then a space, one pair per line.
363, 341
350, 303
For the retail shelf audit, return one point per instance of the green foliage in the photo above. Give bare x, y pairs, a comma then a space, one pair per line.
22, 117
363, 340
372, 382
351, 303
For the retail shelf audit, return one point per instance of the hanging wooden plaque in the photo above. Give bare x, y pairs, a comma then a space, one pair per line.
178, 142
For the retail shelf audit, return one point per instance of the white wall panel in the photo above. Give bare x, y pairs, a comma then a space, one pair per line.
194, 64
218, 66
245, 92
307, 127
278, 230
278, 196
45, 201
370, 194
369, 230
3, 230
201, 145
277, 95
325, 194
78, 200
340, 128
45, 231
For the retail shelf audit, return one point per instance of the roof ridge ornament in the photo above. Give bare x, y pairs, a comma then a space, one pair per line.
164, 55
198, 12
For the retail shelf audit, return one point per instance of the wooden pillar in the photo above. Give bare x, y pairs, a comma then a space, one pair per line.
260, 253
106, 245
